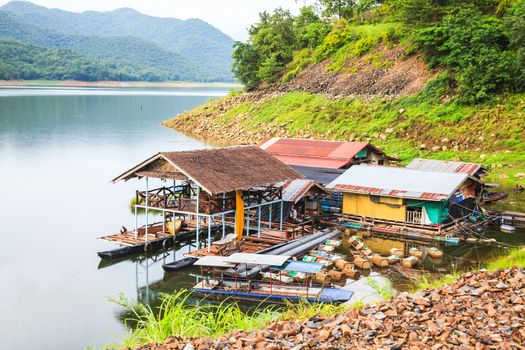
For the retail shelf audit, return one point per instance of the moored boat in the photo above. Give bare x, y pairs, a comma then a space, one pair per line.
507, 228
275, 290
178, 264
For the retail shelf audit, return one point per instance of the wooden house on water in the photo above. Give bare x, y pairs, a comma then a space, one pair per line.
396, 197
322, 160
206, 191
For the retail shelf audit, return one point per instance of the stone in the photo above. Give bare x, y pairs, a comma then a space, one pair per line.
519, 175
483, 156
422, 147
436, 148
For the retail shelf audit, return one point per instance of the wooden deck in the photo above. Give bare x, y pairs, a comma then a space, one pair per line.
251, 243
155, 231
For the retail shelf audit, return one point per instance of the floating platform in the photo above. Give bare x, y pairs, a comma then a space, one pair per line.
157, 239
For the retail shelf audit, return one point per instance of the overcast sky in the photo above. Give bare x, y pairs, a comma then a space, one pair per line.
230, 16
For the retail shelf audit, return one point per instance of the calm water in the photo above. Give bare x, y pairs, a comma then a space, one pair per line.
59, 148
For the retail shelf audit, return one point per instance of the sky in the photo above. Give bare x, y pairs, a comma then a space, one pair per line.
232, 17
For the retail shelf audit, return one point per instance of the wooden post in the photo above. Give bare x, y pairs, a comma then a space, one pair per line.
209, 234
259, 221
197, 234
281, 218
147, 203
270, 217
223, 225
136, 223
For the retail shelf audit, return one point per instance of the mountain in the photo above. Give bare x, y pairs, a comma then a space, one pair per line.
21, 60
183, 50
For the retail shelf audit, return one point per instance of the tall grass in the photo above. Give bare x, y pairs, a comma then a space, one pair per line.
178, 317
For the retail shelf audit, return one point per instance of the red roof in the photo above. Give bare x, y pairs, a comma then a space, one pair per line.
314, 153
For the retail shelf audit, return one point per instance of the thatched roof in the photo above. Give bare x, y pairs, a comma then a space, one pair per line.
216, 170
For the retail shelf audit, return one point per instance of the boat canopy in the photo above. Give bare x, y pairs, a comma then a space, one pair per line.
214, 261
257, 259
302, 266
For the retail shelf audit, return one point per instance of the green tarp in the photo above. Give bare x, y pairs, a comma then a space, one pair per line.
437, 211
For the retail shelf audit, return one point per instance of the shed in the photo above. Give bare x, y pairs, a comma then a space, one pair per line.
216, 170
401, 194
324, 154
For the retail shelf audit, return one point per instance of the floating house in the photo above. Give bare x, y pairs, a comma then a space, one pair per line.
303, 196
407, 197
323, 161
475, 170
203, 191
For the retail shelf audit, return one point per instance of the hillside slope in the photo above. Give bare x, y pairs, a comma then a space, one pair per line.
192, 40
386, 97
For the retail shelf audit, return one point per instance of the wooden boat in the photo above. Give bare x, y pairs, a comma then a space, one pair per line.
266, 276
268, 291
507, 228
164, 242
434, 252
179, 264
396, 251
378, 260
415, 252
409, 262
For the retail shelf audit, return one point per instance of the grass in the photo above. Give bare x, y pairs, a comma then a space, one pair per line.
491, 133
177, 317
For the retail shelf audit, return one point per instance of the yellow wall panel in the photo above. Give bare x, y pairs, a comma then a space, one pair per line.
362, 205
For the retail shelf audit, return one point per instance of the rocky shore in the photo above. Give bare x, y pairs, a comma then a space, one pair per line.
481, 310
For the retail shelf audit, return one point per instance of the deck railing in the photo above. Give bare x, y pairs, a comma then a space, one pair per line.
414, 217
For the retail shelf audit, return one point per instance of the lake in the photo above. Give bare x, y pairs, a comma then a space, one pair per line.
59, 148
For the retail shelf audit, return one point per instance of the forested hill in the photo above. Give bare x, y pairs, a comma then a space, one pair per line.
169, 48
432, 78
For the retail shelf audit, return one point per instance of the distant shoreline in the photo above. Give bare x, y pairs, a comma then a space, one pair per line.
76, 83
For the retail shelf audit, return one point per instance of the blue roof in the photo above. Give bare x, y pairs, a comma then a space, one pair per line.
302, 266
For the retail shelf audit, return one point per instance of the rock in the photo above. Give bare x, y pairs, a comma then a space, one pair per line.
519, 175
445, 140
483, 156
188, 347
444, 148
422, 147
436, 148
401, 111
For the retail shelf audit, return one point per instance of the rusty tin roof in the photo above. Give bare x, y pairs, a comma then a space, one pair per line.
445, 166
315, 153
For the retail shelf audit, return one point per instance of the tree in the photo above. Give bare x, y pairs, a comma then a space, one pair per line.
245, 64
309, 28
340, 8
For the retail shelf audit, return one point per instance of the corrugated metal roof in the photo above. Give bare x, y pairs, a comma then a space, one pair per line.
302, 266
444, 166
213, 261
398, 182
320, 175
296, 189
257, 259
315, 153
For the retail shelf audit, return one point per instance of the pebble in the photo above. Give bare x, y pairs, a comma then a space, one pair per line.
481, 310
